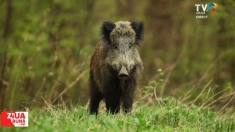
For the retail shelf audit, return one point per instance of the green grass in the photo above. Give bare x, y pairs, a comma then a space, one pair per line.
170, 117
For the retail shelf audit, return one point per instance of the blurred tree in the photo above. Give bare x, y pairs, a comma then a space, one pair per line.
3, 50
224, 73
125, 8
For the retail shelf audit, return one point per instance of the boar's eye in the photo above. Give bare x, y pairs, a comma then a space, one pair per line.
130, 45
115, 46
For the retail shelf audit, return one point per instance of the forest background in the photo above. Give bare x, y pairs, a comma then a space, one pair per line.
45, 48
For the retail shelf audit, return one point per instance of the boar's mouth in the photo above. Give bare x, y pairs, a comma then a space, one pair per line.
123, 74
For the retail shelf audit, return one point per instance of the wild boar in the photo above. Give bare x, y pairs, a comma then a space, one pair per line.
115, 66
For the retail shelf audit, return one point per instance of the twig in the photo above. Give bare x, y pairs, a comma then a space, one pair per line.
220, 99
156, 96
227, 104
185, 96
53, 87
168, 75
183, 85
42, 84
69, 86
147, 95
212, 97
202, 91
211, 65
171, 69
49, 106
208, 92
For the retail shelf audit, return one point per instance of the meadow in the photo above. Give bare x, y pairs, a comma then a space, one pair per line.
170, 117
149, 114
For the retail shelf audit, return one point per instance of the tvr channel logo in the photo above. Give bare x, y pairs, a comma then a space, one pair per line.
201, 12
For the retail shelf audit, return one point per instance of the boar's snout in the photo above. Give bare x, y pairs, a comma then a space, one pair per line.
123, 74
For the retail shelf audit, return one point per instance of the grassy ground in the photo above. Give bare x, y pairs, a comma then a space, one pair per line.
170, 117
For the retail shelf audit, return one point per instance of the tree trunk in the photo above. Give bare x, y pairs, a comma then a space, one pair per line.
3, 52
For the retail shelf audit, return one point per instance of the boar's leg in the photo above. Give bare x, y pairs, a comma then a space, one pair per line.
95, 97
112, 97
128, 93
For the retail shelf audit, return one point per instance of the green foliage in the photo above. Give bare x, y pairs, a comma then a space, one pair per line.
45, 48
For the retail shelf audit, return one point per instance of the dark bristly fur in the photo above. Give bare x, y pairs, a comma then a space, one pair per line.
139, 29
114, 56
106, 28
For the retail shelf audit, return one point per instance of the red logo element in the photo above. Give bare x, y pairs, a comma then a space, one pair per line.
14, 119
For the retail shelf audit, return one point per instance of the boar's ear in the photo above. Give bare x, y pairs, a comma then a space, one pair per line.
139, 31
106, 29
